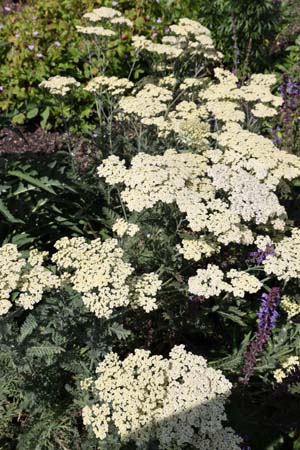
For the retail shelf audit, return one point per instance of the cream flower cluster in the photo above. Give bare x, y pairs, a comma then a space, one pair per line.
95, 31
180, 178
149, 102
98, 272
210, 282
291, 307
107, 14
196, 249
227, 95
113, 86
248, 196
193, 36
59, 85
11, 264
154, 178
285, 264
188, 122
146, 397
140, 43
255, 154
102, 13
145, 290
287, 367
35, 280
28, 277
121, 227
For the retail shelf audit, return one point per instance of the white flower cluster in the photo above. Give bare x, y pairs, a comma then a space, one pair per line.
107, 14
35, 280
149, 102
196, 249
140, 43
59, 85
180, 178
285, 264
188, 122
290, 306
144, 291
102, 13
113, 86
121, 227
95, 31
146, 397
256, 154
98, 272
27, 278
287, 367
226, 96
249, 197
210, 282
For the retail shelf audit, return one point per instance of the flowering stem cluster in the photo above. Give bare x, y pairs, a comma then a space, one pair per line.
267, 316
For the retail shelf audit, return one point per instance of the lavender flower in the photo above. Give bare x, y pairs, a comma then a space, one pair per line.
1, 26
31, 47
153, 35
57, 43
260, 255
35, 33
17, 35
159, 20
1, 88
39, 55
7, 8
167, 30
114, 3
267, 316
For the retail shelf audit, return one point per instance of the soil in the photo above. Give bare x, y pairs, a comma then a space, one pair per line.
21, 140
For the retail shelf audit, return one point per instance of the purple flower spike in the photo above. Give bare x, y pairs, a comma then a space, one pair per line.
260, 255
267, 316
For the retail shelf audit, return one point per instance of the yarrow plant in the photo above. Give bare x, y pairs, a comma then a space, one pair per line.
191, 208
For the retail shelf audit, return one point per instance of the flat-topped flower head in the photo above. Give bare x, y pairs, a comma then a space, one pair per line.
150, 397
59, 85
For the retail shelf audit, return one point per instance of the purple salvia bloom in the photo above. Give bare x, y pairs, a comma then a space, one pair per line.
267, 316
260, 255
